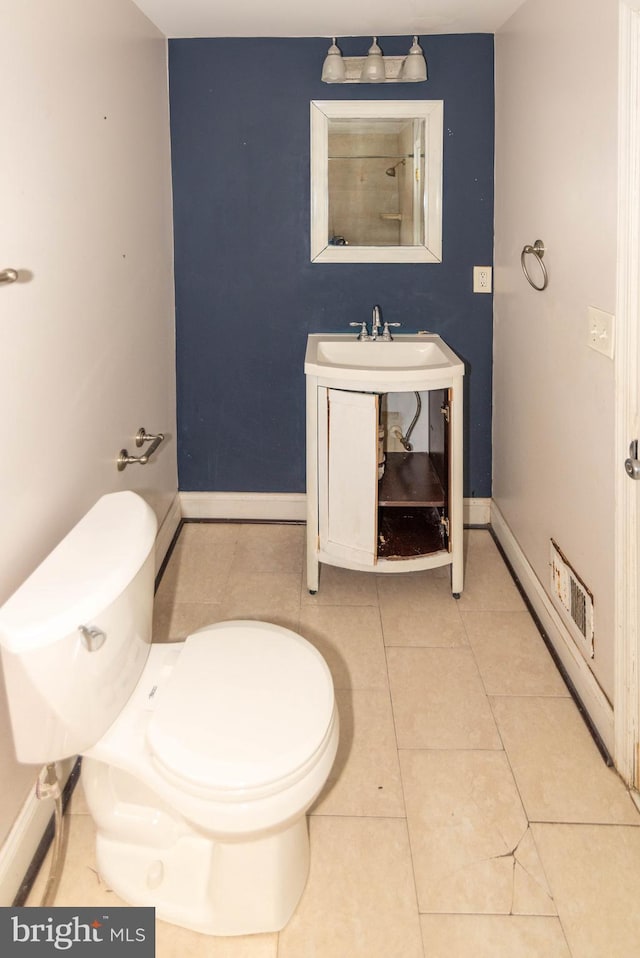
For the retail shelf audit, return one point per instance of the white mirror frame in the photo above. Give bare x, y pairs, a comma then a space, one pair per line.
322, 111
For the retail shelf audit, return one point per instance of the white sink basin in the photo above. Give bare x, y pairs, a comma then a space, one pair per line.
407, 359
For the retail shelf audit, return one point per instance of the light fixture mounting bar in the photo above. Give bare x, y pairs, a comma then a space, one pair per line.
353, 69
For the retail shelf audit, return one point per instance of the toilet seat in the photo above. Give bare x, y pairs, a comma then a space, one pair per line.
245, 712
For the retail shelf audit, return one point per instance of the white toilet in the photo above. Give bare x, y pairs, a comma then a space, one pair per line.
201, 757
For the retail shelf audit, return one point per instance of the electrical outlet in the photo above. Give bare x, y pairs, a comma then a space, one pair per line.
482, 279
600, 331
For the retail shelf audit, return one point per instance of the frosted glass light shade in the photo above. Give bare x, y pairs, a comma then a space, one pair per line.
333, 70
373, 67
414, 67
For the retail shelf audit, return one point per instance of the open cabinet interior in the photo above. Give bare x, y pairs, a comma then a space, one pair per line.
385, 499
413, 491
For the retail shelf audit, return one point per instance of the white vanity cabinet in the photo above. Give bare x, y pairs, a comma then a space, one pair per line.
405, 514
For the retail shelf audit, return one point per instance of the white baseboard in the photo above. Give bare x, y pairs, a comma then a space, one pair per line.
21, 844
477, 512
591, 695
281, 507
268, 506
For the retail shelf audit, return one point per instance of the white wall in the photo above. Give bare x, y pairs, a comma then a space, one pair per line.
87, 339
556, 166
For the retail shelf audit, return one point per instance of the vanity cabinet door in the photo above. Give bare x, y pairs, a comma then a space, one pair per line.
348, 471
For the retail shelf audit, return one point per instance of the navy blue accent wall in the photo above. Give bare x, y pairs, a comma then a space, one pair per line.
246, 291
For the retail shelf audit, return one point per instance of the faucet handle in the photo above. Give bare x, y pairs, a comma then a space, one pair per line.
386, 335
363, 335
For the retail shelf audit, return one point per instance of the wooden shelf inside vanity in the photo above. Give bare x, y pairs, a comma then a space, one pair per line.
409, 478
410, 495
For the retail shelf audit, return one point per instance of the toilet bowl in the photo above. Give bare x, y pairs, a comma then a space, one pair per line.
200, 758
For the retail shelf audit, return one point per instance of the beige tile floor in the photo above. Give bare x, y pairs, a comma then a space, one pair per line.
468, 813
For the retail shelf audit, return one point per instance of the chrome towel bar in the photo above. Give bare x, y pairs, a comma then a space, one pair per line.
142, 436
538, 251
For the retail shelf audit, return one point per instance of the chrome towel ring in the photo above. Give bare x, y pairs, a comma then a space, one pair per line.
538, 251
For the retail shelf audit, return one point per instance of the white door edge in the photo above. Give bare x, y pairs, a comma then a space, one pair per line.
627, 637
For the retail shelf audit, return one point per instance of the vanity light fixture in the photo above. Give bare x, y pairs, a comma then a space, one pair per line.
374, 68
414, 68
333, 70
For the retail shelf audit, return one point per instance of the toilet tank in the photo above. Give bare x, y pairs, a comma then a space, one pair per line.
63, 694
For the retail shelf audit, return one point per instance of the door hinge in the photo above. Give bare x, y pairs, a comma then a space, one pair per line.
444, 522
444, 409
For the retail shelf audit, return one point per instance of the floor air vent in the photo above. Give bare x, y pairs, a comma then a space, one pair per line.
574, 600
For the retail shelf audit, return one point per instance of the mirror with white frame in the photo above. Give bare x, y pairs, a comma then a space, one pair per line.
376, 181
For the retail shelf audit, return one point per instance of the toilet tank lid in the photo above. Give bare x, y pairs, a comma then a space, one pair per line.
87, 571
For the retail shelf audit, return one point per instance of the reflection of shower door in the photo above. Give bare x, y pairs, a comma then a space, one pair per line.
348, 458
411, 184
418, 183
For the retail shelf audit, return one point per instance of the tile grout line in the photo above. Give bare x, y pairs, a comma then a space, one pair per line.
402, 785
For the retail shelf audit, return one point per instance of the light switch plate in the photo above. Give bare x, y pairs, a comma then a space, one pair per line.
600, 328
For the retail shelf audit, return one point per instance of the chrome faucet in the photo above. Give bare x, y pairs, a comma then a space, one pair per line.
376, 325
378, 333
386, 332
